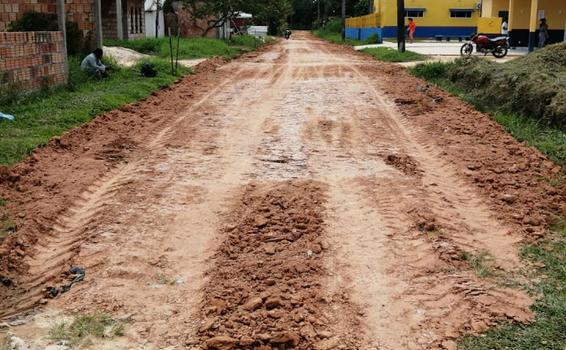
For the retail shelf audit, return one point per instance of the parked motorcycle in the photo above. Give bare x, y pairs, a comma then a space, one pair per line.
498, 47
287, 34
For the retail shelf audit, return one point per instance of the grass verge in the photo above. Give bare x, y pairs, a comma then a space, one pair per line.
191, 48
548, 259
547, 330
390, 55
549, 140
83, 328
42, 115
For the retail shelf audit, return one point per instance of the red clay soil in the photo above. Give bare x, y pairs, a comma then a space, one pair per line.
266, 285
515, 177
328, 199
39, 190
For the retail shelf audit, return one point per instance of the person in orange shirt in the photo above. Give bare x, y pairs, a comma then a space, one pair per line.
412, 28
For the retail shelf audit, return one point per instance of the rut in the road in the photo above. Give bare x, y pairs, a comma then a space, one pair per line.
266, 284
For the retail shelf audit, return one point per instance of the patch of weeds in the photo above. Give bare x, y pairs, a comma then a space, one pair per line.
546, 331
42, 115
481, 263
3, 202
84, 327
166, 280
390, 55
7, 227
190, 48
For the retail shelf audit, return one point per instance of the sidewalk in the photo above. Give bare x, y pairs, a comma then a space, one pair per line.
434, 48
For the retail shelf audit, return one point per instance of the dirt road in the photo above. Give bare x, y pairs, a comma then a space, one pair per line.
304, 196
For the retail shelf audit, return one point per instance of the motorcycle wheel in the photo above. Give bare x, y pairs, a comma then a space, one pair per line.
500, 51
467, 49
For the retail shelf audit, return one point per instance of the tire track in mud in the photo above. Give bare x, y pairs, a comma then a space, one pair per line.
406, 291
97, 203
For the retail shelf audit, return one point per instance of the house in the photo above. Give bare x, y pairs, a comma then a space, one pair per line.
523, 18
433, 17
122, 19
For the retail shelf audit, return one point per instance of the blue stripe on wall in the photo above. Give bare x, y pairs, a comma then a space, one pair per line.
430, 32
364, 33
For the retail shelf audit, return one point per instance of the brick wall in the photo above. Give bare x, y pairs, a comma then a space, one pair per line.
31, 60
79, 11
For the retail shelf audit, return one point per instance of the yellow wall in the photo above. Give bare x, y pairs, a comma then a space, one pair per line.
491, 8
437, 12
554, 11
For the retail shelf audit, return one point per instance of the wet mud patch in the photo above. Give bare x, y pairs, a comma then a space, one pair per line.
265, 286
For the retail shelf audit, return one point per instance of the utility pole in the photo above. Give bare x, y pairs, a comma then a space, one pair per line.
157, 19
401, 25
370, 9
343, 20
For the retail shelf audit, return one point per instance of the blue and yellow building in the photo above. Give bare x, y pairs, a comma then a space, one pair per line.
460, 18
433, 17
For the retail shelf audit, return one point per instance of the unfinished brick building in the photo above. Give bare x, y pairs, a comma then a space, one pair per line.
120, 19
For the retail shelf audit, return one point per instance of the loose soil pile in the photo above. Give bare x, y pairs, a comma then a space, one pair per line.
266, 282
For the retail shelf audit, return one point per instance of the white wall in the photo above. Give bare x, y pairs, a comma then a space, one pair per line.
150, 7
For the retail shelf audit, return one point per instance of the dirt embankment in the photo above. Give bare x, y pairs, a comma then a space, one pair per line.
517, 179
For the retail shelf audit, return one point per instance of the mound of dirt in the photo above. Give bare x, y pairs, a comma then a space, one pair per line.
265, 288
534, 85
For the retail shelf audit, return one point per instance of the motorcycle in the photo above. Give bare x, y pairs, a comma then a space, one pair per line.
498, 47
287, 34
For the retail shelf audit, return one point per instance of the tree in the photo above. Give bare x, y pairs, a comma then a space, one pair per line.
211, 14
273, 13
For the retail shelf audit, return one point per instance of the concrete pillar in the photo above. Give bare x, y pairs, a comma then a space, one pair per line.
97, 12
61, 20
119, 20
512, 9
533, 24
487, 8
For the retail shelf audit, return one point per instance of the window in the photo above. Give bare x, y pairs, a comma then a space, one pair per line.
414, 13
458, 13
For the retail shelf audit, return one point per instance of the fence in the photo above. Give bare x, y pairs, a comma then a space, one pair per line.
364, 27
32, 60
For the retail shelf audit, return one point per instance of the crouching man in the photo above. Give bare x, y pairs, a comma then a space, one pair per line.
93, 66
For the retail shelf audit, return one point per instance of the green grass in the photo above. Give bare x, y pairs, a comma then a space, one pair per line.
84, 327
7, 227
390, 55
548, 139
548, 275
547, 331
42, 115
190, 48
482, 264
